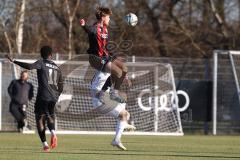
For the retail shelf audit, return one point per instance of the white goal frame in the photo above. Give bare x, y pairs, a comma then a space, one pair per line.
230, 53
180, 133
1, 61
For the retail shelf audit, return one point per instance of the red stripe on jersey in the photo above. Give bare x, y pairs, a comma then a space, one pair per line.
99, 41
105, 40
102, 36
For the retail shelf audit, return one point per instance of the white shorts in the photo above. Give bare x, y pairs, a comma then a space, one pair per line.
111, 109
117, 110
107, 107
99, 80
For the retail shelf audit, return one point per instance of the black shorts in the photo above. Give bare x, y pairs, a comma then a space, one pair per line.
44, 107
99, 63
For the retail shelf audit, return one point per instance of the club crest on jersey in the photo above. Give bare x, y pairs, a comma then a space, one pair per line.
104, 36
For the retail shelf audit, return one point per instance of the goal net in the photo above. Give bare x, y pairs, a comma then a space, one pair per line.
226, 92
152, 100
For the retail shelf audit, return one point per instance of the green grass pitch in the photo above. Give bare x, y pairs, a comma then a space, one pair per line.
14, 146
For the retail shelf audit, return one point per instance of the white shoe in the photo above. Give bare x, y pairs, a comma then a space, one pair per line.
118, 144
130, 127
25, 129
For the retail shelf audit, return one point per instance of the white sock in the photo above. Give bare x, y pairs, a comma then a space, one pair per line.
119, 129
45, 144
53, 132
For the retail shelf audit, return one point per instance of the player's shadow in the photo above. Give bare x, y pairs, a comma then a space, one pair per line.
185, 152
129, 153
160, 154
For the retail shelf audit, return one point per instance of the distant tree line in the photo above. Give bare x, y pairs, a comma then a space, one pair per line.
172, 28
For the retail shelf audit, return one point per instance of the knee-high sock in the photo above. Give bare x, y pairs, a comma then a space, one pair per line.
42, 135
51, 124
40, 121
119, 129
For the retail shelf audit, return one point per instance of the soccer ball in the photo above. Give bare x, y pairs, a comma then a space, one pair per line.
131, 19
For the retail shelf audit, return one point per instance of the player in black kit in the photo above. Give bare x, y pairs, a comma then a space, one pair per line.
50, 86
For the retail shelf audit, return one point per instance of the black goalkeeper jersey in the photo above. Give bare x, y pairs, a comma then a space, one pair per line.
50, 81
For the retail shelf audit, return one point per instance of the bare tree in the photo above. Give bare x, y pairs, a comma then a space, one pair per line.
71, 17
20, 27
156, 27
4, 27
238, 12
182, 27
174, 28
6, 37
219, 17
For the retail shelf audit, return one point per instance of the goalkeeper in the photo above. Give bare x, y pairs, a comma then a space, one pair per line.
99, 57
50, 86
109, 107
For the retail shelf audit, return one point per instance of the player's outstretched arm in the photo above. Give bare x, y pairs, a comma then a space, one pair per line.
86, 28
9, 58
28, 66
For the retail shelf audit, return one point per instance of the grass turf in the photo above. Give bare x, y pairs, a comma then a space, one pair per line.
14, 146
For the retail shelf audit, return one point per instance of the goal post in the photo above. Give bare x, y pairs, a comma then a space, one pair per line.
226, 91
152, 100
1, 95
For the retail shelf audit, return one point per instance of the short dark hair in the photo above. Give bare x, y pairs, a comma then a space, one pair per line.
102, 12
24, 71
46, 51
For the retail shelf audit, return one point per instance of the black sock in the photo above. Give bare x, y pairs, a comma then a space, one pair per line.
40, 121
107, 84
42, 135
51, 122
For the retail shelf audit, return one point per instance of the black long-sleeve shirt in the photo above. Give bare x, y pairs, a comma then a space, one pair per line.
50, 81
98, 39
20, 91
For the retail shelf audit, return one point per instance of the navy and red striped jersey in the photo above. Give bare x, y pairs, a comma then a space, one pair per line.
98, 39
